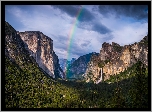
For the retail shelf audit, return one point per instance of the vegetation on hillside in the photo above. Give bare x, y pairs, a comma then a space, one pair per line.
101, 63
30, 88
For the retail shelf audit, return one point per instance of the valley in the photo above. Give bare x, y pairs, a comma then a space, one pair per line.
36, 78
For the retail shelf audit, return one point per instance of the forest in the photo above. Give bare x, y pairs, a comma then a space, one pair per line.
30, 87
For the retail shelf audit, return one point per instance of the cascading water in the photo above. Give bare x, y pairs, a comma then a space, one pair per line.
100, 77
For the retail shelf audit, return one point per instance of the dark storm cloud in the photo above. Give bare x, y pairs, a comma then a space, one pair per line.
94, 26
100, 28
136, 11
72, 10
95, 8
85, 16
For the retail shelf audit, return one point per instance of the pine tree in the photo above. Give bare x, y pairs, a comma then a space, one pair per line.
118, 98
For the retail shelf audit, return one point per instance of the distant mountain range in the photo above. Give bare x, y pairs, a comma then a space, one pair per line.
113, 59
64, 63
79, 66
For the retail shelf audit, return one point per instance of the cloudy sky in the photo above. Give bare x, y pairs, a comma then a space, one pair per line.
77, 30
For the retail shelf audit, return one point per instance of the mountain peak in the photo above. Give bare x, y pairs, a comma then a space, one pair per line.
114, 58
38, 45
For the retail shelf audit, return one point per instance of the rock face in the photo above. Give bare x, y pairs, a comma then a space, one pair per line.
114, 59
64, 63
79, 66
40, 47
14, 46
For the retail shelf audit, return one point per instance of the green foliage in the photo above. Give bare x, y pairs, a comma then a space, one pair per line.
117, 48
107, 60
101, 64
118, 98
28, 87
143, 42
139, 90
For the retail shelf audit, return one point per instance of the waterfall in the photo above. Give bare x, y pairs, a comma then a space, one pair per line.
100, 77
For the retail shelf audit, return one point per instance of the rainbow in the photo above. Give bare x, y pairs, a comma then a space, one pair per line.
72, 31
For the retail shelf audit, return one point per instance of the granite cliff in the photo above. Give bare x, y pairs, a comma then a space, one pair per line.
38, 46
64, 63
114, 59
26, 85
79, 66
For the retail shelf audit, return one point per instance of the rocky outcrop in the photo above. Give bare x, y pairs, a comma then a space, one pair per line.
14, 46
114, 59
79, 66
37, 46
64, 63
40, 47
